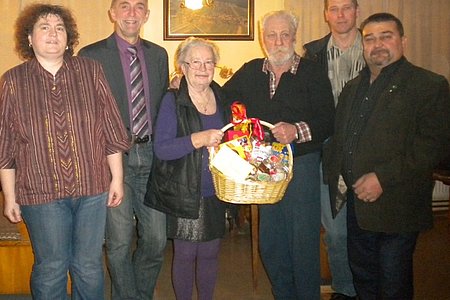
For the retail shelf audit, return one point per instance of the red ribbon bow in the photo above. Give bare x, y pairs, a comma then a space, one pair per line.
239, 113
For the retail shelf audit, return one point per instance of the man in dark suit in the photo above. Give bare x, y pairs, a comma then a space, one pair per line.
392, 128
133, 275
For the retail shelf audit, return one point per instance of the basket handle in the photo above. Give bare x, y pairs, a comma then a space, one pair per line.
229, 125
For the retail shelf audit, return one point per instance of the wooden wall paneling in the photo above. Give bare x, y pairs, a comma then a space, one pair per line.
16, 260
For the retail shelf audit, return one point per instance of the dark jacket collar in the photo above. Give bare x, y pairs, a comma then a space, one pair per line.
317, 46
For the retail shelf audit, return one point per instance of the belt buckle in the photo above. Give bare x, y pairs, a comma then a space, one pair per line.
140, 140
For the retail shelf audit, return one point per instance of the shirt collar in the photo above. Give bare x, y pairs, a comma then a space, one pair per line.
292, 70
123, 45
357, 43
37, 66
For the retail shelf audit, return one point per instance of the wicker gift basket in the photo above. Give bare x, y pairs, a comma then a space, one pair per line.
249, 191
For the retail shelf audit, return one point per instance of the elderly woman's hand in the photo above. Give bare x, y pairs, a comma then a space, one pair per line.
207, 138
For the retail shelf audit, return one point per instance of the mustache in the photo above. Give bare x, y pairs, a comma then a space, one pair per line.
379, 51
280, 50
280, 60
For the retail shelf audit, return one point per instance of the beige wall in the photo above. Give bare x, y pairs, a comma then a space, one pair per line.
92, 21
7, 56
233, 53
94, 24
426, 25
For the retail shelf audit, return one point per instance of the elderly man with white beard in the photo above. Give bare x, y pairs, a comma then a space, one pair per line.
295, 95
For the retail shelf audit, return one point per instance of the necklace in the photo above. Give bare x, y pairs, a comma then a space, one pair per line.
203, 104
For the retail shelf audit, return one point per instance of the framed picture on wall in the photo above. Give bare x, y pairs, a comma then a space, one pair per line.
210, 19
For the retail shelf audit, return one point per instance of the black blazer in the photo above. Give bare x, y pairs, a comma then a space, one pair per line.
156, 61
407, 134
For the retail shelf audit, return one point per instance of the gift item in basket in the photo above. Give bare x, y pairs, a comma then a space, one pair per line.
268, 178
256, 160
231, 164
241, 145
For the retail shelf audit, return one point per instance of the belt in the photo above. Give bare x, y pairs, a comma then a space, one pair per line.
140, 140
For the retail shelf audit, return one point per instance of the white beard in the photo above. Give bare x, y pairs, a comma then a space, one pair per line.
279, 59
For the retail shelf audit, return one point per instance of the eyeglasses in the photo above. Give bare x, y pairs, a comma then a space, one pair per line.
197, 64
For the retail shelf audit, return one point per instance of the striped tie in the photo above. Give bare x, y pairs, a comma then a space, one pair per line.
139, 111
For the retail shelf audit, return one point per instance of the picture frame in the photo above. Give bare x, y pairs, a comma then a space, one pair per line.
216, 20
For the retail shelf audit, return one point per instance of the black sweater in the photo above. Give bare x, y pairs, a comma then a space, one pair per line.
305, 96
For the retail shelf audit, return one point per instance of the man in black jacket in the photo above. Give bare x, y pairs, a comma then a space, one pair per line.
340, 55
392, 128
295, 95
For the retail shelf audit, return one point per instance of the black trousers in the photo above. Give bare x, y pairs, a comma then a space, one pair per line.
381, 263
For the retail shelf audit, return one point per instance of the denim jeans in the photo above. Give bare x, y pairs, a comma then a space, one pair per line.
134, 269
335, 239
67, 236
290, 234
381, 263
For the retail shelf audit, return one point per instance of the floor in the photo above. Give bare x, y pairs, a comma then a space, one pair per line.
234, 277
432, 269
431, 263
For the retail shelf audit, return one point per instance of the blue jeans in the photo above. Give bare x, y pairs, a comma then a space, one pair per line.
67, 236
381, 263
134, 270
335, 239
290, 234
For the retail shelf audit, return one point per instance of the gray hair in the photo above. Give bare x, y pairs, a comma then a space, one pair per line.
185, 46
288, 16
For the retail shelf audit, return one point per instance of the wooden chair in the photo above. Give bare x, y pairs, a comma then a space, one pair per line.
16, 257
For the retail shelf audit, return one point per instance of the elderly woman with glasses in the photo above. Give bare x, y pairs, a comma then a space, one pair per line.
181, 185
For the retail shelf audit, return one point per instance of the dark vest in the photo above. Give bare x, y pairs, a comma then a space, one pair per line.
174, 186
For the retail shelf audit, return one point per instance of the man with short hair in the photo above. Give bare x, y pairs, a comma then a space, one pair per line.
124, 56
392, 128
295, 95
340, 55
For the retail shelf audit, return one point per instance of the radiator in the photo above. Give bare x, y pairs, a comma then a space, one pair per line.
440, 196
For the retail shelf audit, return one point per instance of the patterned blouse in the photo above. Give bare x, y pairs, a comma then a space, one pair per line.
57, 131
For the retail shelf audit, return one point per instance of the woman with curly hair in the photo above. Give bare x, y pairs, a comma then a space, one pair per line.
61, 144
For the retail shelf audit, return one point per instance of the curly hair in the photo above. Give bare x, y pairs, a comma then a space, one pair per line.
30, 16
